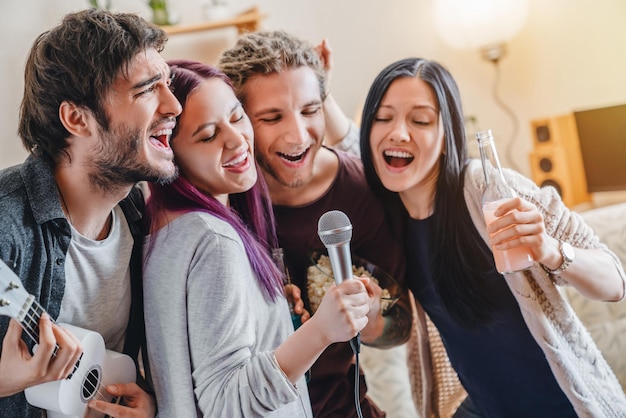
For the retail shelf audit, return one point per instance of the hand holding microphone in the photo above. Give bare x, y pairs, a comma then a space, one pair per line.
335, 232
341, 314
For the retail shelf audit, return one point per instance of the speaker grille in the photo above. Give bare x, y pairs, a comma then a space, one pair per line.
545, 164
543, 133
556, 161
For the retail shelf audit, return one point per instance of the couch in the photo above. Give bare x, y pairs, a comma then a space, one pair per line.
606, 322
387, 376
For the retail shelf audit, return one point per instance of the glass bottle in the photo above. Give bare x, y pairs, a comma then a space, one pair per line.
496, 191
279, 257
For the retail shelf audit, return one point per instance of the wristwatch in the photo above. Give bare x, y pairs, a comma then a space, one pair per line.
568, 254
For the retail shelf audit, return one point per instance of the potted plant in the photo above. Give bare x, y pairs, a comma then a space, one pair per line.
161, 14
100, 4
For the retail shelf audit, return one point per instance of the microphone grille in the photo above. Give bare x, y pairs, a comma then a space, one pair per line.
334, 228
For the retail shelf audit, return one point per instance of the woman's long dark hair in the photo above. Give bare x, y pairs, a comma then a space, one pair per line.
459, 257
250, 212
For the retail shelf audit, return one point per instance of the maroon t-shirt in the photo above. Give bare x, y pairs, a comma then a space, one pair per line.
331, 385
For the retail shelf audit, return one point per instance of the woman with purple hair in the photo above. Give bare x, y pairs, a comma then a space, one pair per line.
219, 332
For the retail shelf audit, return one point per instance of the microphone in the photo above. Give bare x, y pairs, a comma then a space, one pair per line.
335, 232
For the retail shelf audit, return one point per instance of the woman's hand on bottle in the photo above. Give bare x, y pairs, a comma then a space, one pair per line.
294, 297
520, 224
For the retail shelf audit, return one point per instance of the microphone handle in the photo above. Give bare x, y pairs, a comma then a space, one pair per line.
341, 264
340, 261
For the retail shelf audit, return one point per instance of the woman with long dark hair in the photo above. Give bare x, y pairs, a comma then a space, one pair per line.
220, 336
515, 343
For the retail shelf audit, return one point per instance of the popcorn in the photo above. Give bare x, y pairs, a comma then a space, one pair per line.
320, 278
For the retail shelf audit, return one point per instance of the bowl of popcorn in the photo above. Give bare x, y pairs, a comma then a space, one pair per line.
320, 278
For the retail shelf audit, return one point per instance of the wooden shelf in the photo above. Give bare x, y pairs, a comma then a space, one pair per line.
247, 21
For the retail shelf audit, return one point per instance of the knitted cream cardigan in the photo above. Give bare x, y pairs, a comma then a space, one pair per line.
578, 366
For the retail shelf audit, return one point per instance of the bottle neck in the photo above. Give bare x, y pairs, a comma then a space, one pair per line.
490, 161
496, 186
489, 157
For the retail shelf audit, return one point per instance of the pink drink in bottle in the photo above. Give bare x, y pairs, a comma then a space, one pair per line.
496, 191
511, 260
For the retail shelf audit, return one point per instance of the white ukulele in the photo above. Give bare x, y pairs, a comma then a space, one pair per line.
96, 368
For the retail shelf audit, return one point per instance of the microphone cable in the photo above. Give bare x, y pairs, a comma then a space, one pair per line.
355, 343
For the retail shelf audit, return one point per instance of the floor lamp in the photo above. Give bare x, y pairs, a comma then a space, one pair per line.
486, 25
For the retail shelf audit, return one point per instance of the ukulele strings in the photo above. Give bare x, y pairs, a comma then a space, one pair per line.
33, 315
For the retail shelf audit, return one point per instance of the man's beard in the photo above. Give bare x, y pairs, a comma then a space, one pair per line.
292, 183
118, 161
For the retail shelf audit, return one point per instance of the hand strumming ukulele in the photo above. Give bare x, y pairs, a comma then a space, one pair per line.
96, 368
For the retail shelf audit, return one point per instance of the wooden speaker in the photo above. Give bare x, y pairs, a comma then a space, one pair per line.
556, 158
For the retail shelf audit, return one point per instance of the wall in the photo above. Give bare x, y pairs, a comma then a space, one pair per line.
569, 56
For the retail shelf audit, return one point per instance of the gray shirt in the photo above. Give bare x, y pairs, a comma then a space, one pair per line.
211, 332
97, 282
